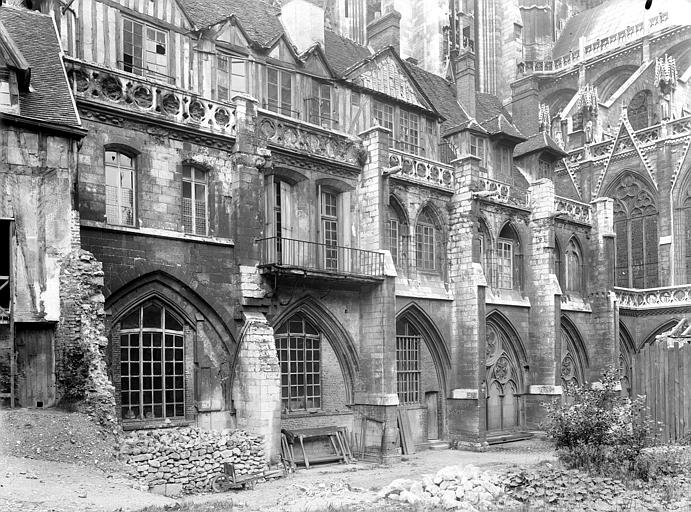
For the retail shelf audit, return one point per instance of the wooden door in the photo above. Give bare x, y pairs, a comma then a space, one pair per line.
432, 415
36, 366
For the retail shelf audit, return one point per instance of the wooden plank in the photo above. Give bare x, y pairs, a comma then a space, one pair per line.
304, 453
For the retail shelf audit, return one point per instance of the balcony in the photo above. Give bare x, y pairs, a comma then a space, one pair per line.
654, 298
421, 170
572, 210
301, 258
503, 193
155, 100
280, 131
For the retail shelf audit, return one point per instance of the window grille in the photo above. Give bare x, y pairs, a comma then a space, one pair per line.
120, 180
194, 206
152, 373
298, 345
408, 364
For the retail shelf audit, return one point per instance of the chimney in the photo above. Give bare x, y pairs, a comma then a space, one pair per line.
464, 76
304, 22
385, 31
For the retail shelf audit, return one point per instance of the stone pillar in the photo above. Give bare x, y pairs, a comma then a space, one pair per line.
603, 343
466, 403
257, 384
544, 340
373, 189
525, 105
241, 215
375, 389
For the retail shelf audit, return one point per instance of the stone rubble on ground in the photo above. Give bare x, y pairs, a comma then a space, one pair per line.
451, 488
175, 460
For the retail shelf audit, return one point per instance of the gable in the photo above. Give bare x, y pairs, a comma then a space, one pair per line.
232, 34
281, 51
314, 63
385, 75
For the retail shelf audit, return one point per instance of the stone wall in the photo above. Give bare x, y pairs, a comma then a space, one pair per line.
187, 458
80, 341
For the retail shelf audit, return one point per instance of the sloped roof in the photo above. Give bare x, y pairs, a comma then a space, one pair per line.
538, 142
442, 95
258, 19
493, 117
50, 98
613, 16
343, 53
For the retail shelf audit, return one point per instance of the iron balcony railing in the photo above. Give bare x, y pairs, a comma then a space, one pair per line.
288, 253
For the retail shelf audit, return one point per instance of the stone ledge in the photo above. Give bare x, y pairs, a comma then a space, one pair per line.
544, 389
158, 233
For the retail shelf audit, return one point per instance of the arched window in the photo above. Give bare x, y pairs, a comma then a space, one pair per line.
120, 188
194, 200
573, 270
298, 344
408, 370
502, 381
426, 240
558, 266
152, 363
485, 249
638, 110
635, 225
508, 259
396, 232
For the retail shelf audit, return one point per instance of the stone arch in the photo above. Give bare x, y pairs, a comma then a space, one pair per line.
574, 267
612, 79
682, 55
339, 339
557, 100
175, 293
432, 337
485, 242
662, 328
640, 109
505, 361
287, 174
397, 205
574, 356
398, 230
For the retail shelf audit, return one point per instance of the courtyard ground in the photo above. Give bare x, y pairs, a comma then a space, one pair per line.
53, 461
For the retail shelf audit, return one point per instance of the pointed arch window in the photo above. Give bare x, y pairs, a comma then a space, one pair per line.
485, 250
571, 364
152, 363
638, 110
508, 259
573, 270
635, 225
407, 362
426, 240
502, 381
298, 344
396, 232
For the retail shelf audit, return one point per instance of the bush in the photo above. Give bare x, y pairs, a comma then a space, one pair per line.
597, 429
663, 461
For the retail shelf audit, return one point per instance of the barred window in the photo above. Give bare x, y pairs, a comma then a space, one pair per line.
298, 345
383, 113
194, 209
152, 373
407, 363
119, 188
425, 242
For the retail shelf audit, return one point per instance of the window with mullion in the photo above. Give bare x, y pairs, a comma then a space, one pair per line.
144, 49
407, 364
152, 374
410, 132
120, 190
383, 113
329, 220
279, 91
477, 148
194, 201
319, 105
231, 77
504, 264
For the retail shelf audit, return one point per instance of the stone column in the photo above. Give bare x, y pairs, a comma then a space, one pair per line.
257, 384
544, 340
375, 389
603, 343
466, 403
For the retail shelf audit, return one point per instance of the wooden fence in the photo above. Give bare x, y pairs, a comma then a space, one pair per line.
662, 372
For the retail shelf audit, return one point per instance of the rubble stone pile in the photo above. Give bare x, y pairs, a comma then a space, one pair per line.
451, 488
189, 457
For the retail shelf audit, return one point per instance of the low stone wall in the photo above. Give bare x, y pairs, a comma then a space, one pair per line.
184, 459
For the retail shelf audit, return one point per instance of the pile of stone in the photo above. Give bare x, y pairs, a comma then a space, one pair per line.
185, 459
451, 488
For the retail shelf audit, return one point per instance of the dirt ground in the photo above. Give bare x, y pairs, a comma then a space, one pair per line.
52, 461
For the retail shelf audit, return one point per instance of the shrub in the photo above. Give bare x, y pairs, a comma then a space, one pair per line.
663, 461
597, 429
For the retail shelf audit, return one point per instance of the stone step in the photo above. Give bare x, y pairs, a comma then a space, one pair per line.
437, 444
